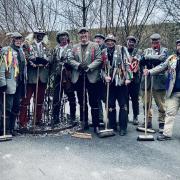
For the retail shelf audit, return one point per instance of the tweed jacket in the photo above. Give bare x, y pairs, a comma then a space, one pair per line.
170, 65
159, 80
120, 68
59, 57
92, 58
9, 69
35, 51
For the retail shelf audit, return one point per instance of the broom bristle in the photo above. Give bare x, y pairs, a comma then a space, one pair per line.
5, 138
145, 138
106, 133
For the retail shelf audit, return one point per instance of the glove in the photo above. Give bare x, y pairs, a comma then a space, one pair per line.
83, 66
3, 88
41, 61
67, 66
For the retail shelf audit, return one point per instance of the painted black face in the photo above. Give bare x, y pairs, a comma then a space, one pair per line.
39, 37
63, 39
131, 44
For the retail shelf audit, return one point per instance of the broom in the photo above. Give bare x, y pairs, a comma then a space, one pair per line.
145, 137
106, 132
35, 103
142, 129
5, 137
83, 135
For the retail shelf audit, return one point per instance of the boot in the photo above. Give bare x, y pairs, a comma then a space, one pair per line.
149, 125
96, 130
85, 124
161, 127
55, 120
135, 120
95, 119
162, 137
122, 132
123, 118
72, 113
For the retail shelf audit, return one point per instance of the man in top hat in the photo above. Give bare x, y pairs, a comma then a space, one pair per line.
156, 85
85, 60
120, 76
134, 86
62, 77
172, 65
37, 75
12, 79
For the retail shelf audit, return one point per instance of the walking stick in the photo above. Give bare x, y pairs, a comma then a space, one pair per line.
35, 104
5, 137
145, 137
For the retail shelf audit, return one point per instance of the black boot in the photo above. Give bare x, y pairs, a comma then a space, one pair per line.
122, 132
161, 127
135, 120
96, 130
84, 120
95, 119
72, 113
123, 119
162, 137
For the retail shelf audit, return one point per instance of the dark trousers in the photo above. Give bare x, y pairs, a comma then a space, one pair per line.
57, 98
92, 89
133, 92
9, 104
119, 93
101, 99
31, 89
16, 104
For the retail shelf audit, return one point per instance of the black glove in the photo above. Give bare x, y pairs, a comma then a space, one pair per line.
41, 61
3, 88
83, 66
67, 66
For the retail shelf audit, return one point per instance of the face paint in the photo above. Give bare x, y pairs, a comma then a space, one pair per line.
155, 44
39, 37
110, 43
63, 40
131, 44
